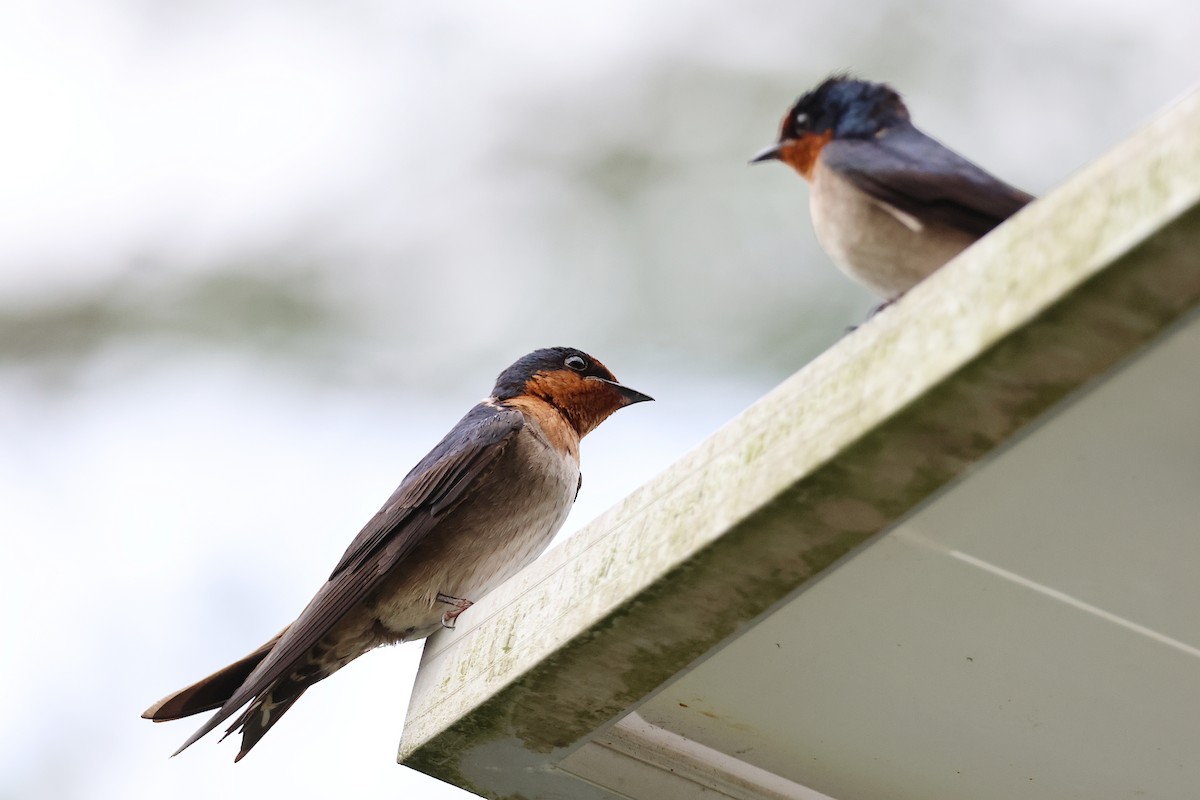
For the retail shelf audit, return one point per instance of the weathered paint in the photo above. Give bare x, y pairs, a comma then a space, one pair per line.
834, 456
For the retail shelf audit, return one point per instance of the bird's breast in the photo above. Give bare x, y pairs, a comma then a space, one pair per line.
521, 505
506, 521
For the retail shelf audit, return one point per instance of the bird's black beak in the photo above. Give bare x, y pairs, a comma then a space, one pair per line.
768, 153
629, 396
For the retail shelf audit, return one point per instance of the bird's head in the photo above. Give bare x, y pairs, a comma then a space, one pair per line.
840, 108
578, 386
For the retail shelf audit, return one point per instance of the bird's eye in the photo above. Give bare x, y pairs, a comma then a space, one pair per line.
576, 363
801, 120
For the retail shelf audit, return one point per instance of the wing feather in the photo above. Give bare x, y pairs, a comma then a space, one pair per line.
917, 175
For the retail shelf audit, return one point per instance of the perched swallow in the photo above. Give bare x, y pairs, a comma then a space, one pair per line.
889, 204
480, 506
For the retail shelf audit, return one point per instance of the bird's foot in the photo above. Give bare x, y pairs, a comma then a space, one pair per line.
871, 315
883, 305
460, 605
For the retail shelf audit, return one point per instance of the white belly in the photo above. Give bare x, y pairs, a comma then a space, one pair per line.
871, 244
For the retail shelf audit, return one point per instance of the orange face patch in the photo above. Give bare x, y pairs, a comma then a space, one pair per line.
584, 403
801, 154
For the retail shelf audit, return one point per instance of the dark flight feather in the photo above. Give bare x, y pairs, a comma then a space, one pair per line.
913, 173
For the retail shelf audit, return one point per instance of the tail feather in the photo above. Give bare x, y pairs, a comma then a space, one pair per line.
210, 692
267, 708
261, 715
240, 683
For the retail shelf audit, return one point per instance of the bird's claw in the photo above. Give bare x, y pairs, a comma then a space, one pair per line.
460, 605
883, 305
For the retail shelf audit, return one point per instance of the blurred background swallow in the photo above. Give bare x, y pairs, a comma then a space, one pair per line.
481, 505
889, 204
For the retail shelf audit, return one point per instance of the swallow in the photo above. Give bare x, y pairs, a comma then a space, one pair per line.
485, 502
889, 204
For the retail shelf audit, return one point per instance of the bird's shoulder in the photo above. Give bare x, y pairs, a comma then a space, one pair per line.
439, 480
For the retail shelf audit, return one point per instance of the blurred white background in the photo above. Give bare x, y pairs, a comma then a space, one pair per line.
255, 259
